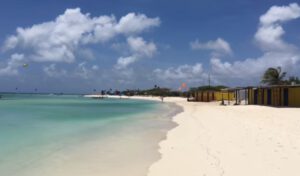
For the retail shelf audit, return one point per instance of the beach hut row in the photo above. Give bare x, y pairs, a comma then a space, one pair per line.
278, 96
208, 96
283, 95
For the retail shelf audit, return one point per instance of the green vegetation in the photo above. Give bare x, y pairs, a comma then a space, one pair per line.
275, 76
156, 91
272, 76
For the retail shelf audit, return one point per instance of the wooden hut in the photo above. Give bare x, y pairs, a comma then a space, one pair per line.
208, 96
281, 95
204, 96
225, 94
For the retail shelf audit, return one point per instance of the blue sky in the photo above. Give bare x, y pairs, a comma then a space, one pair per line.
144, 42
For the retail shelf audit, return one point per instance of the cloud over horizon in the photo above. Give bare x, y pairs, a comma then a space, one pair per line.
126, 51
269, 37
190, 74
61, 40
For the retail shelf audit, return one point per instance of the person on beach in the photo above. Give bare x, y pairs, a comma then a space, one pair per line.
162, 98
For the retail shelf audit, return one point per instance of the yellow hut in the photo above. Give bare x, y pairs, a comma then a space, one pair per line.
282, 95
225, 95
204, 96
208, 96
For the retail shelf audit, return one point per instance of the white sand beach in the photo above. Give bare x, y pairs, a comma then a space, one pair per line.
214, 140
244, 140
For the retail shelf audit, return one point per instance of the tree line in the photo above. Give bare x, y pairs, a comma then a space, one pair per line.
272, 76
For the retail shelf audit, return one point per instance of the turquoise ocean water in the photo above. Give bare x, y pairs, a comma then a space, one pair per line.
72, 135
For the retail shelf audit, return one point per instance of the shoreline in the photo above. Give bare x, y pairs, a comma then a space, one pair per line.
175, 119
247, 140
213, 140
177, 101
171, 100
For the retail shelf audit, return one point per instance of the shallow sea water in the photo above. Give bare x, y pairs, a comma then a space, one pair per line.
70, 135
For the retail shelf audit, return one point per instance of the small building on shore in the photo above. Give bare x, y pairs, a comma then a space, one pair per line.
208, 96
279, 95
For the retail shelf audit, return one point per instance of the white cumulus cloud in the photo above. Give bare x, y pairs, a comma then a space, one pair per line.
135, 23
183, 73
15, 62
70, 34
139, 49
123, 62
277, 52
280, 14
58, 40
270, 30
52, 71
95, 67
86, 72
218, 46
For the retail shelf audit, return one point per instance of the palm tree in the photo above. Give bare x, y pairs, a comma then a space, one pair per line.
273, 76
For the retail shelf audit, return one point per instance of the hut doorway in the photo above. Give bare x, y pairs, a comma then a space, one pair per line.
286, 97
255, 96
269, 97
